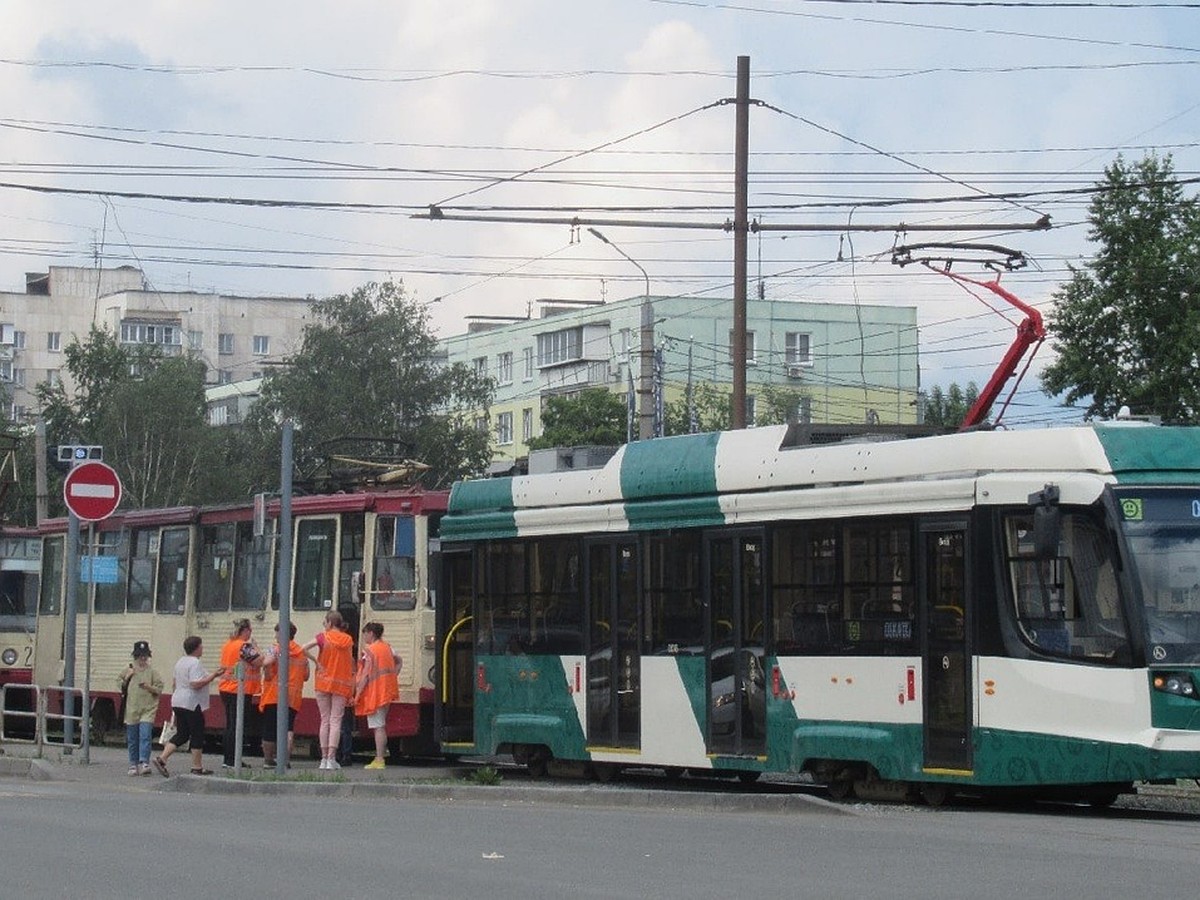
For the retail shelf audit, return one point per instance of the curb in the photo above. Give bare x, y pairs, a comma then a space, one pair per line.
567, 795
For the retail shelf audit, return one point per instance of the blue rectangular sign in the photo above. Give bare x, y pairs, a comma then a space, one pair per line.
100, 569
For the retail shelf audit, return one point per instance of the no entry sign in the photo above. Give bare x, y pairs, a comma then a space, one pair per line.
92, 491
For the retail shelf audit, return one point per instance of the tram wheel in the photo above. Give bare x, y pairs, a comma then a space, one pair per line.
935, 793
748, 776
840, 789
103, 720
604, 772
537, 761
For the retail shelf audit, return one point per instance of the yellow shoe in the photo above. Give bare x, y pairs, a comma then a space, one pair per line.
376, 764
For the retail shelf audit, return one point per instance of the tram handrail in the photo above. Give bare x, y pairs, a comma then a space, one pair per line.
446, 656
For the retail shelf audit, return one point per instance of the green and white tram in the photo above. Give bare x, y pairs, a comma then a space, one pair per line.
947, 614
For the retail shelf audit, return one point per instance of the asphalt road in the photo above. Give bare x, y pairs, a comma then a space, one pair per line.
394, 835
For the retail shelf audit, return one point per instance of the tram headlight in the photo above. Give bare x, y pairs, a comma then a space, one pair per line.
1178, 683
9, 656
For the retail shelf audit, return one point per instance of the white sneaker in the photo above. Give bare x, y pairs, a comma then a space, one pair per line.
332, 764
324, 764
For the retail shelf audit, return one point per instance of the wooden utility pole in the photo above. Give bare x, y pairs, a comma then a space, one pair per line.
741, 233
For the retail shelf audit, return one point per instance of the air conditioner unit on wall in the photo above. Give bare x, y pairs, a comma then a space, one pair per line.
795, 370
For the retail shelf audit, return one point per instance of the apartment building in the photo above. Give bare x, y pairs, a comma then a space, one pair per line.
237, 338
846, 364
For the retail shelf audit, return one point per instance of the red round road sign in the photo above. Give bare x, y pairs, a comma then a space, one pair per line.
92, 491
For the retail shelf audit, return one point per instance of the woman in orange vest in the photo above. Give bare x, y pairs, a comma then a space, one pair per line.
239, 649
376, 687
268, 705
334, 684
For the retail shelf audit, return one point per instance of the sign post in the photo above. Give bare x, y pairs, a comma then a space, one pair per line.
91, 491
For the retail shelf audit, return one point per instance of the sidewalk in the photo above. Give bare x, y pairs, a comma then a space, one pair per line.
429, 780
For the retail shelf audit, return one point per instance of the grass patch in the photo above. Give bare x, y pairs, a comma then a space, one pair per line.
484, 775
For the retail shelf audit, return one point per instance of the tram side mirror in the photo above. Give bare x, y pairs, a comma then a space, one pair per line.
1047, 522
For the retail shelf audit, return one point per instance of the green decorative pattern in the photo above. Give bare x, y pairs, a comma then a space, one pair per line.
1146, 455
671, 483
480, 509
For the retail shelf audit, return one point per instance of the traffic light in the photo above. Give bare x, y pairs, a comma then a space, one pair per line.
73, 454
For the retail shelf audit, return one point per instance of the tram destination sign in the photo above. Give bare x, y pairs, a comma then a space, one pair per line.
92, 491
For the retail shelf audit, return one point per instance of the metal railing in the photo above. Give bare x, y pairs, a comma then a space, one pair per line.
56, 729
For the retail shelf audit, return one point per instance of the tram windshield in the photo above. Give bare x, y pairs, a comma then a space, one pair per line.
1163, 531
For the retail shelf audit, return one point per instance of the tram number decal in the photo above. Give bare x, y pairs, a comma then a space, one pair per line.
1131, 509
29, 656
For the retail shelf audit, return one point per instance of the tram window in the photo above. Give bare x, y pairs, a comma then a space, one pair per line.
555, 596
504, 604
252, 566
143, 545
1068, 605
674, 606
354, 528
50, 601
878, 604
393, 575
110, 598
313, 582
175, 544
807, 601
216, 567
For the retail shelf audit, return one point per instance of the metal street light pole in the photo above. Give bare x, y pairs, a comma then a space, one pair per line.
646, 354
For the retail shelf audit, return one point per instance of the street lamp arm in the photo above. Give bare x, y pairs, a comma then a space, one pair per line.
645, 276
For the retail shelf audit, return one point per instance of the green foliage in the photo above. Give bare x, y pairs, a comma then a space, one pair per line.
146, 410
593, 417
714, 411
484, 775
948, 409
1126, 327
367, 370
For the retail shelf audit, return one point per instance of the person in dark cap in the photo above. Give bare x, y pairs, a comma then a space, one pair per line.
141, 687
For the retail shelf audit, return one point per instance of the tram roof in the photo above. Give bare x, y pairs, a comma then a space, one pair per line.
689, 472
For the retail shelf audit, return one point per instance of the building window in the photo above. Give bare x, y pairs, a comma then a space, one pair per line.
799, 352
261, 345
54, 341
224, 376
218, 415
751, 408
53, 378
527, 425
16, 412
481, 424
6, 370
224, 343
750, 360
6, 334
504, 428
18, 340
504, 368
18, 377
195, 340
560, 346
479, 364
528, 363
148, 333
804, 410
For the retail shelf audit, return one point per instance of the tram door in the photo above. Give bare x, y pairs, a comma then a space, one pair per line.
454, 707
735, 643
614, 676
945, 593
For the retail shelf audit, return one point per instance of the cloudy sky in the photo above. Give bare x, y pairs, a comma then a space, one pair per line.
325, 128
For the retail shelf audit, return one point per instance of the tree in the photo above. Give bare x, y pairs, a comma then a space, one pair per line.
712, 408
148, 412
593, 417
366, 381
1126, 327
950, 408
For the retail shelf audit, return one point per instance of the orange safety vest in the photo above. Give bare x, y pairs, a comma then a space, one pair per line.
297, 675
335, 664
231, 657
377, 682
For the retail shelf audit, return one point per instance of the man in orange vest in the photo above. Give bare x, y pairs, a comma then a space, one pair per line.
376, 687
268, 705
238, 650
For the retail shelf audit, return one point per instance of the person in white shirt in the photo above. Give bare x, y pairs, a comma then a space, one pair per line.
189, 700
